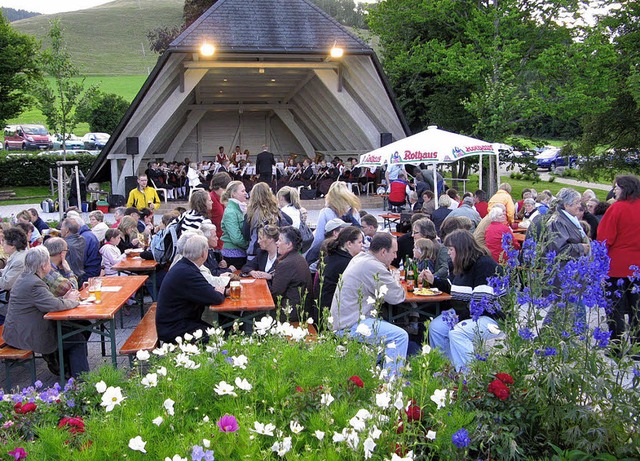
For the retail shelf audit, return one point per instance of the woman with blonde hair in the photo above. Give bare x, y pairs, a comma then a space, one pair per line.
129, 228
262, 210
234, 246
289, 203
340, 203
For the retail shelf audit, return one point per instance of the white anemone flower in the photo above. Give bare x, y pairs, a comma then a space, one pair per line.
150, 380
383, 399
243, 384
101, 387
369, 445
295, 427
431, 435
137, 444
168, 405
282, 448
222, 388
143, 355
157, 421
319, 434
263, 429
439, 397
326, 399
240, 361
364, 330
112, 397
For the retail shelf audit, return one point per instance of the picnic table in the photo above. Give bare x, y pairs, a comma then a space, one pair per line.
116, 290
255, 299
134, 264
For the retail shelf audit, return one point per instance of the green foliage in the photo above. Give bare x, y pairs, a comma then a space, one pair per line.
33, 169
491, 68
102, 111
58, 103
18, 69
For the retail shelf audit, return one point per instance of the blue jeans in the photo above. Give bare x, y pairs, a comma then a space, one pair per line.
388, 333
457, 343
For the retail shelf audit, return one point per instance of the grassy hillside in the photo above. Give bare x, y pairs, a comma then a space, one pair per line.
110, 39
126, 86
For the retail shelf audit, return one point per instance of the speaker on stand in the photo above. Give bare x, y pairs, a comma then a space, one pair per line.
385, 138
133, 149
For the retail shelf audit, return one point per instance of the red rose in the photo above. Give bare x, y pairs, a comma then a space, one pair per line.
357, 381
24, 409
414, 413
499, 389
299, 389
400, 428
505, 378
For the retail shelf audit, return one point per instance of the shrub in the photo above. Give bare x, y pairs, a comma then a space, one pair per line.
33, 170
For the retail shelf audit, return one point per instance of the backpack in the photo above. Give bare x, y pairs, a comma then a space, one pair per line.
164, 244
307, 237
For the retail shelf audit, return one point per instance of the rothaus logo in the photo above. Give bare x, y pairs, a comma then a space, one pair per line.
418, 155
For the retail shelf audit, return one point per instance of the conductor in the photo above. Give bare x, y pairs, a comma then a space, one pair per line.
264, 165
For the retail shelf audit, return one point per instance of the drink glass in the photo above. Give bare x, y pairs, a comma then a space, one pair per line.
95, 289
235, 290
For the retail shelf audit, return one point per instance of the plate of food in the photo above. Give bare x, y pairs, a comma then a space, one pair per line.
427, 292
133, 251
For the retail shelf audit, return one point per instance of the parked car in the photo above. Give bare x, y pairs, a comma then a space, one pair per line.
26, 137
72, 142
552, 157
95, 140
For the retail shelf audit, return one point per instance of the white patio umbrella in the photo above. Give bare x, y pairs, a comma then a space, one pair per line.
429, 146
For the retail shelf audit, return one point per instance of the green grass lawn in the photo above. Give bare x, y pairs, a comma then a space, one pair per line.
126, 86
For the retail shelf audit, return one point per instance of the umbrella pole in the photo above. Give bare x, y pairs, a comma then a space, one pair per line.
435, 184
480, 172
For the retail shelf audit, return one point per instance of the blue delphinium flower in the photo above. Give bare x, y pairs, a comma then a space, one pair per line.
526, 334
636, 372
528, 250
450, 318
548, 351
461, 438
482, 357
601, 337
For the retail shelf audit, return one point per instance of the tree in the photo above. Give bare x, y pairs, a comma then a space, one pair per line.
611, 140
492, 68
102, 111
18, 69
58, 102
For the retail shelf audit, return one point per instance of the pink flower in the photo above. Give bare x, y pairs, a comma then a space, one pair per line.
228, 423
18, 453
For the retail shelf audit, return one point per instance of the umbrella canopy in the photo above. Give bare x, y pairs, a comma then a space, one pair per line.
429, 146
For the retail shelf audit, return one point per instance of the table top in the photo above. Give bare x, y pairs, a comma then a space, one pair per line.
135, 263
390, 216
412, 298
255, 296
519, 237
111, 303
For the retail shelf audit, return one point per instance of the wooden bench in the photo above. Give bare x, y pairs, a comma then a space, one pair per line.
144, 337
13, 358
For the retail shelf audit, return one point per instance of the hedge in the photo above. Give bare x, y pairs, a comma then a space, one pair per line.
33, 169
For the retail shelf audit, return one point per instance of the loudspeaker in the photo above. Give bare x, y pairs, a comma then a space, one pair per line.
132, 146
385, 138
130, 183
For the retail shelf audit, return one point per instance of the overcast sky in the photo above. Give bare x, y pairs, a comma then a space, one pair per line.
51, 6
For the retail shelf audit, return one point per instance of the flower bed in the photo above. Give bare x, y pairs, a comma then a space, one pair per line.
542, 391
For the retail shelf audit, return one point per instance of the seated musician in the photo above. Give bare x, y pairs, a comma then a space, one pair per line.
306, 176
185, 293
327, 175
